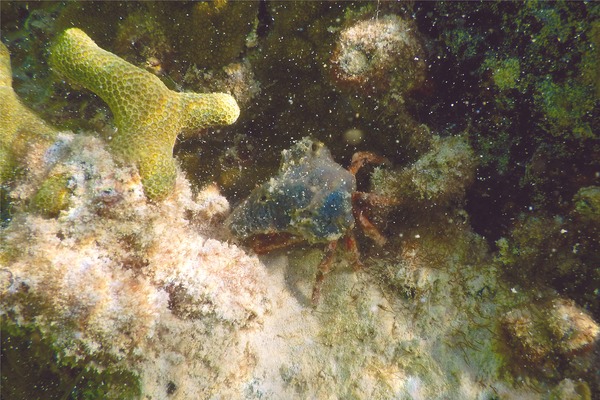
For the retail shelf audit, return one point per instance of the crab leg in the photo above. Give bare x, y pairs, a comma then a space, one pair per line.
374, 199
367, 226
262, 244
360, 158
352, 247
323, 270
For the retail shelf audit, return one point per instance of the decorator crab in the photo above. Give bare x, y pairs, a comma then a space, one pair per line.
312, 199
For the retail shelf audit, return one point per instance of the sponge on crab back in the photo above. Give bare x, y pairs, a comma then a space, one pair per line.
148, 115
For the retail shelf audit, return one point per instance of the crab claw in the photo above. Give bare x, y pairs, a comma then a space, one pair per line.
360, 158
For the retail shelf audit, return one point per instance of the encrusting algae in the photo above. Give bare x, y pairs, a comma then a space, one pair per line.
148, 116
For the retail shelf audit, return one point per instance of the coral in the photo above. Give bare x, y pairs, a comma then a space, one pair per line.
525, 82
237, 78
53, 195
199, 316
560, 251
109, 289
575, 332
291, 62
368, 54
148, 116
379, 63
567, 107
440, 176
395, 360
505, 73
20, 129
211, 34
143, 34
542, 336
568, 389
587, 204
304, 27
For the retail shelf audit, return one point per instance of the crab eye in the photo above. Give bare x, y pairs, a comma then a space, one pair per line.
315, 147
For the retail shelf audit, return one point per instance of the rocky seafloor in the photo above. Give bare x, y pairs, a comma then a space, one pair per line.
477, 270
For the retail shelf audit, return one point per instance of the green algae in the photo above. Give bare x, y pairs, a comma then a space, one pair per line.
32, 366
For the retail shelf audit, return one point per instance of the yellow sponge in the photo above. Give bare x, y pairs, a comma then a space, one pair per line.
148, 115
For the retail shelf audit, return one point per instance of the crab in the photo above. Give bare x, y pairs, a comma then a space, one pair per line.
312, 199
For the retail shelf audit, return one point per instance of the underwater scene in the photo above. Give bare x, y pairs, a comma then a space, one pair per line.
300, 200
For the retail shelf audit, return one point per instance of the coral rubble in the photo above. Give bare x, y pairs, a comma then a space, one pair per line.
105, 289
